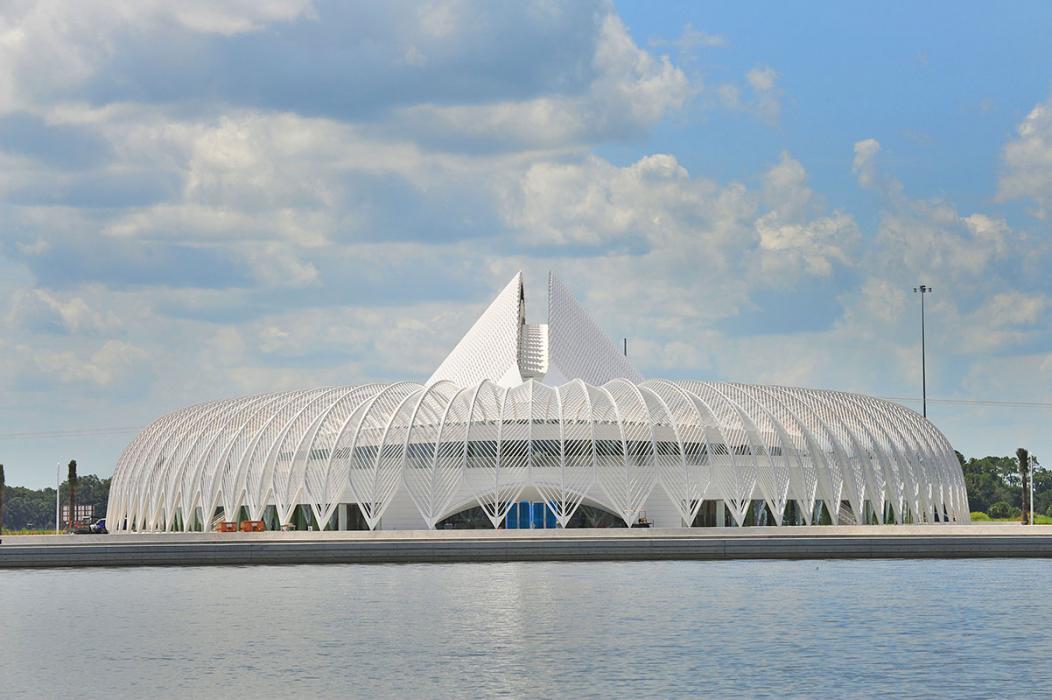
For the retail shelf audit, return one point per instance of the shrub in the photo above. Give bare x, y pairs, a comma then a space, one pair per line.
1001, 510
979, 515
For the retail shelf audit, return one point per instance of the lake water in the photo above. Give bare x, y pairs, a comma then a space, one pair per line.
966, 628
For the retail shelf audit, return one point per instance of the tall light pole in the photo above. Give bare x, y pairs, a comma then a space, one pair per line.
923, 289
58, 483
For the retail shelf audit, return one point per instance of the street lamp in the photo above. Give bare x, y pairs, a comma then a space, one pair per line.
923, 289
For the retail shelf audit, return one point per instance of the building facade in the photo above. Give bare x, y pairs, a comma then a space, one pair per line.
537, 425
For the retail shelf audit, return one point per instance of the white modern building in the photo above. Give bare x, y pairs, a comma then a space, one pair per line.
537, 425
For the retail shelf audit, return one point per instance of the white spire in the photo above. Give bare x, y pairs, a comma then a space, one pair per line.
577, 346
503, 348
490, 349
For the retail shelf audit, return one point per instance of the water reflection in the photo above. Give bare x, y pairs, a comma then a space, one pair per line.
542, 629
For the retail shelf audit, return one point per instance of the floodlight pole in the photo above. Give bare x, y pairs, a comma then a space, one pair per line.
58, 483
923, 289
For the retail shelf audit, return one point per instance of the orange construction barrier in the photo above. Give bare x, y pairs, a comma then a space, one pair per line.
226, 526
252, 526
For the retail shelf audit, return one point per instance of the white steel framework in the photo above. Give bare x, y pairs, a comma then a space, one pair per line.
500, 421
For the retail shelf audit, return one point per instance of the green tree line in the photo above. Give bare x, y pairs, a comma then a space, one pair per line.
995, 486
34, 509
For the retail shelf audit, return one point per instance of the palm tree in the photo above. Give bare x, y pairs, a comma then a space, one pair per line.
72, 491
1024, 470
3, 484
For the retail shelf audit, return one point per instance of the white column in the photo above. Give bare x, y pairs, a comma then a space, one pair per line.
341, 517
720, 513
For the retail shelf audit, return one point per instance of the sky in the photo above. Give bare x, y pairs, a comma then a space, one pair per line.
201, 200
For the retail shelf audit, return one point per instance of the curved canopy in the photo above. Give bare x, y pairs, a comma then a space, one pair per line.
617, 444
548, 411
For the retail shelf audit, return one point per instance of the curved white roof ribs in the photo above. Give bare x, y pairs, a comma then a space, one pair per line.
489, 430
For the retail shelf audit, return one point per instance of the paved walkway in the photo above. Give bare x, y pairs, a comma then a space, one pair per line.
194, 549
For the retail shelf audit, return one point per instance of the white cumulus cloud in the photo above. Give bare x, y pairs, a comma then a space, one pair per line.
1027, 161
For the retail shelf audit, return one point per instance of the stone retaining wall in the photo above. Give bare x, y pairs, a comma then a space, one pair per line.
198, 549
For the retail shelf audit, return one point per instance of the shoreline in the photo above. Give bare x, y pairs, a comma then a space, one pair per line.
448, 546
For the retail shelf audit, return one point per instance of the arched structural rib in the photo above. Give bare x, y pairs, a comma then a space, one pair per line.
763, 454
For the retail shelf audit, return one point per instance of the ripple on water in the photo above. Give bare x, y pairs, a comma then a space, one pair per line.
839, 628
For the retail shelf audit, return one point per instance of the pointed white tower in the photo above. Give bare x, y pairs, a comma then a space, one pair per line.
503, 348
577, 346
490, 348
